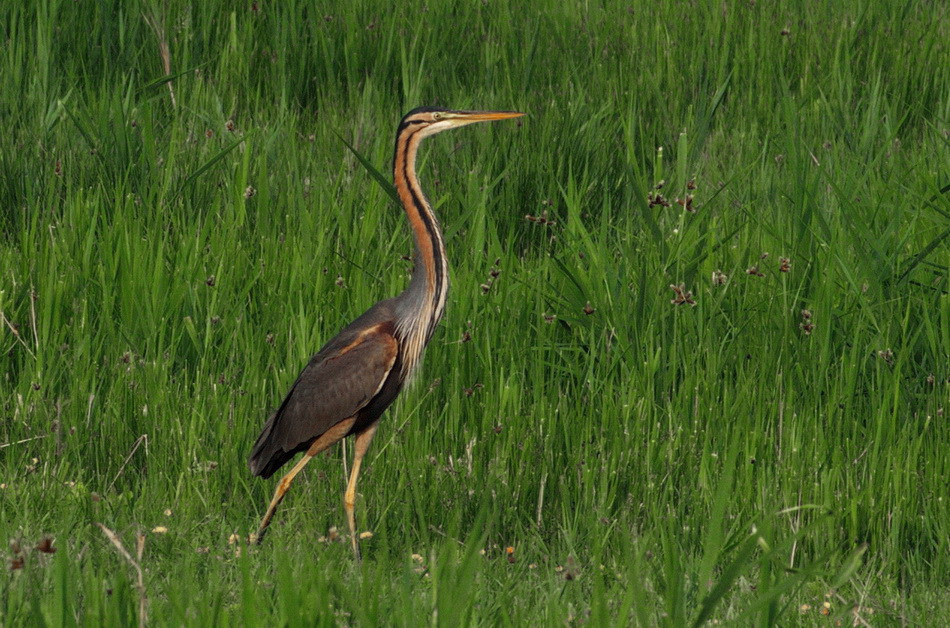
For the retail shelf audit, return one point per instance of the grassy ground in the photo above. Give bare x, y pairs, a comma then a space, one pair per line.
173, 251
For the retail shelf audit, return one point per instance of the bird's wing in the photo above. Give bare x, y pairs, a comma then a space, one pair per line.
336, 384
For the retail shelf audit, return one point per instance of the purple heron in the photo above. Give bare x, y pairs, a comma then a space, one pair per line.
347, 385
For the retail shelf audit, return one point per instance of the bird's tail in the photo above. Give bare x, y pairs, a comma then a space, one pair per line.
266, 456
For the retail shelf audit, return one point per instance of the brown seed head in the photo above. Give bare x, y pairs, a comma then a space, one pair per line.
46, 545
683, 296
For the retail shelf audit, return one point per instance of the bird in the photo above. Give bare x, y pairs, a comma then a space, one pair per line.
348, 384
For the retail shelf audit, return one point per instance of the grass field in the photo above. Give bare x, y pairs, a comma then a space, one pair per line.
766, 445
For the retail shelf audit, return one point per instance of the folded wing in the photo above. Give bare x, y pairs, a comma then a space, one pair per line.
337, 383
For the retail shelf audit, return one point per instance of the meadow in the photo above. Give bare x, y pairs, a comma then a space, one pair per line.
695, 367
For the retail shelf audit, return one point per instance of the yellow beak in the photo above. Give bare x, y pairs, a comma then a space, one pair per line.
481, 116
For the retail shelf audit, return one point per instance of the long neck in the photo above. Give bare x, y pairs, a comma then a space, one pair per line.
427, 291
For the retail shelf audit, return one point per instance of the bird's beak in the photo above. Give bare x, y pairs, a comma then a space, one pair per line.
481, 116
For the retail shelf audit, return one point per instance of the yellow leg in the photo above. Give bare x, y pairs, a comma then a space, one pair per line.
363, 439
282, 488
331, 436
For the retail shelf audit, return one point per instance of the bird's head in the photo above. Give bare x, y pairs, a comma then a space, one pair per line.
432, 120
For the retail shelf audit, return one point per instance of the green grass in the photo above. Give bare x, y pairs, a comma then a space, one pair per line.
650, 463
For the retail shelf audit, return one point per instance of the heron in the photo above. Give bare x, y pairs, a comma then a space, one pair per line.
349, 383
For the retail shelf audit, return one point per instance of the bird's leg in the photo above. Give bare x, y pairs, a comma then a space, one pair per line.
363, 439
331, 436
282, 487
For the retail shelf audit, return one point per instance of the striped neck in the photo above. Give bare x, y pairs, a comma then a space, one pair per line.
429, 286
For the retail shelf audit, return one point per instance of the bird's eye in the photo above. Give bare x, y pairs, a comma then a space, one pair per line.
436, 116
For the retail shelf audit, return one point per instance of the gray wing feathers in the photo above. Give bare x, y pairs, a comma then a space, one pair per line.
335, 389
336, 384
